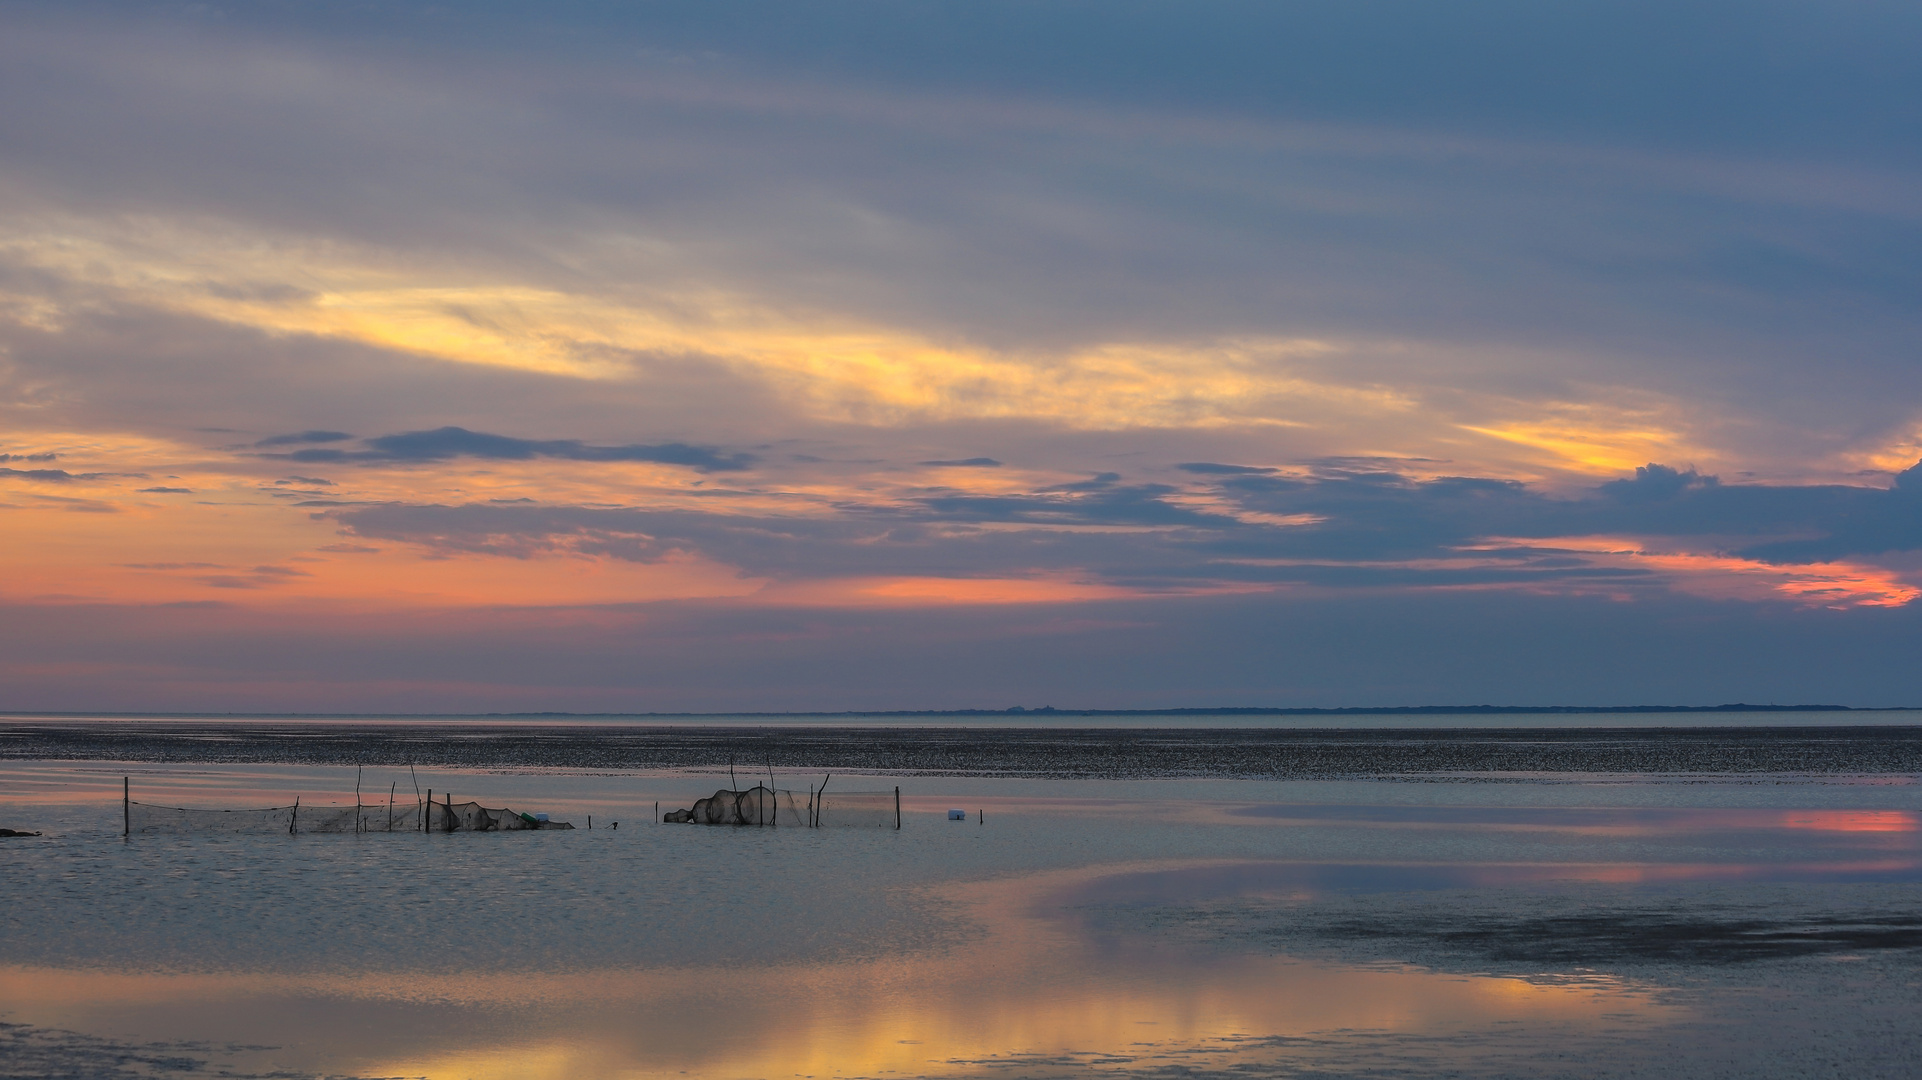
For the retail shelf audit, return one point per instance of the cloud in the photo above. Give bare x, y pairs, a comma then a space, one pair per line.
166, 491
305, 437
1060, 208
29, 457
1209, 468
1094, 502
1373, 530
49, 476
973, 462
1657, 483
446, 443
1386, 515
259, 577
62, 476
1910, 479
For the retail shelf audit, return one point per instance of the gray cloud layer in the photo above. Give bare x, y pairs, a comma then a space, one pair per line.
1491, 178
445, 443
1374, 529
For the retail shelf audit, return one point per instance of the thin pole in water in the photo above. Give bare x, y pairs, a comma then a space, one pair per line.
391, 788
732, 784
657, 811
428, 816
356, 798
590, 821
897, 806
450, 811
820, 804
126, 807
293, 823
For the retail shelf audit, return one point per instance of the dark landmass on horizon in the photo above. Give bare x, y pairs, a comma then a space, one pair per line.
1017, 710
1049, 753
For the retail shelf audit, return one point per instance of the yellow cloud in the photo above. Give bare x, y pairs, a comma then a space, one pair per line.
829, 366
1897, 455
1598, 439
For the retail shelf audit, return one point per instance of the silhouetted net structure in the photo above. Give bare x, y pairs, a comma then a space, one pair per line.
473, 817
762, 805
146, 819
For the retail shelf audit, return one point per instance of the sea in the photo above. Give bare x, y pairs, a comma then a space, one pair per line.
1415, 894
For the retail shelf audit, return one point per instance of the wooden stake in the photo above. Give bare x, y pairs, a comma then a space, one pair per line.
897, 806
126, 807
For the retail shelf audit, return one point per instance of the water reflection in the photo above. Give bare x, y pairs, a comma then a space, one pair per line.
1033, 990
1165, 885
1648, 820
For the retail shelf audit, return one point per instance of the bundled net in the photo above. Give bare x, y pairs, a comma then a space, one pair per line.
759, 805
473, 817
145, 819
762, 805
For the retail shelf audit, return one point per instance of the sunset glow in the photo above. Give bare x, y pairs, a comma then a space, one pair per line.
683, 332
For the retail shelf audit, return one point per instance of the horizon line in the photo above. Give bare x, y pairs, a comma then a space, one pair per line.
1046, 710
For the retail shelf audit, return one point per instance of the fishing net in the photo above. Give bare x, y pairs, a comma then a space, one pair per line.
473, 817
759, 805
762, 805
145, 819
858, 809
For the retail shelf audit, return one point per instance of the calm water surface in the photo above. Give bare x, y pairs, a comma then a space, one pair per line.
1066, 928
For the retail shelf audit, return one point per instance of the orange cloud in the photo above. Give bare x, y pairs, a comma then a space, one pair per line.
1837, 585
936, 591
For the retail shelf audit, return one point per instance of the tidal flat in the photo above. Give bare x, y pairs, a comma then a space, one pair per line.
1123, 916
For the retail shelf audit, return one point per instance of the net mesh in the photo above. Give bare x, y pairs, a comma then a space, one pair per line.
473, 817
857, 809
146, 819
762, 805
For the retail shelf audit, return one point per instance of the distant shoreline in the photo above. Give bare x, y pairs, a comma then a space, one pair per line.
1255, 710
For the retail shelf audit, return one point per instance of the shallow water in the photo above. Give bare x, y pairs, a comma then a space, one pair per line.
1066, 928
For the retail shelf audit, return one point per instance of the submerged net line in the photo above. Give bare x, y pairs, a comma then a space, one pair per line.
763, 805
147, 819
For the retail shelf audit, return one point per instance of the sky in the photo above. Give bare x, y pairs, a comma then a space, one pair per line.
739, 355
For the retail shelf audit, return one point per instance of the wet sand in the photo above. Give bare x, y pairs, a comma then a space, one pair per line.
1064, 753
